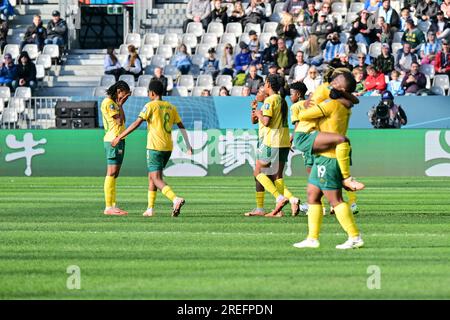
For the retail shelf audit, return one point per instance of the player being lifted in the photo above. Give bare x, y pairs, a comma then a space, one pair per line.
114, 124
273, 152
160, 116
296, 207
326, 177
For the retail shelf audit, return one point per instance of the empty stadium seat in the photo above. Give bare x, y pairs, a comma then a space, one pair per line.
195, 28
427, 69
243, 38
339, 7
270, 27
198, 59
158, 61
215, 91
197, 91
134, 39
356, 6
236, 91
165, 50
99, 91
202, 49
171, 71
169, 84
32, 49
210, 39
9, 116
52, 50
44, 60
152, 39
276, 12
205, 80
439, 91
146, 51
122, 58
40, 72
252, 26
234, 27
398, 37
265, 38
140, 92
224, 80
13, 50
296, 47
171, 39
107, 80
228, 38
23, 92
180, 91
187, 81
216, 28
189, 40
128, 78
395, 47
144, 80
123, 49
5, 93
375, 49
441, 80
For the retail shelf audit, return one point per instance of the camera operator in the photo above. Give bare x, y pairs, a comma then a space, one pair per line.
387, 114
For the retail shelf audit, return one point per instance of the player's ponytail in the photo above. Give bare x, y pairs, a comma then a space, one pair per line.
119, 85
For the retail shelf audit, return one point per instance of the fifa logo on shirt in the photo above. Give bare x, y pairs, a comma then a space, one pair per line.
437, 153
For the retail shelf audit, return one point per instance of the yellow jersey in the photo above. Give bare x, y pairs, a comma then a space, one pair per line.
276, 134
321, 94
160, 116
302, 126
110, 109
332, 117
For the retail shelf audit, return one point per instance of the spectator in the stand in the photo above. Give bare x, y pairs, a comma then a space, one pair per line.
405, 58
294, 7
445, 8
322, 28
395, 85
389, 14
284, 58
332, 48
223, 91
362, 58
26, 73
382, 32
411, 4
211, 65
8, 71
405, 15
286, 30
299, 71
442, 63
413, 36
426, 10
133, 64
341, 61
372, 5
6, 9
441, 26
35, 34
255, 13
254, 45
56, 30
414, 81
313, 80
205, 93
303, 30
274, 70
360, 89
385, 62
158, 75
268, 55
360, 28
3, 34
219, 13
226, 62
242, 59
253, 80
182, 60
256, 60
238, 13
375, 82
197, 11
246, 91
311, 14
352, 50
325, 8
429, 49
111, 64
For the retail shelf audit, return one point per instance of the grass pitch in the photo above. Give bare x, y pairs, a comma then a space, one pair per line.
212, 251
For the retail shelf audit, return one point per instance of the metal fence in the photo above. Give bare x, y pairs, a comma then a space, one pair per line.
29, 113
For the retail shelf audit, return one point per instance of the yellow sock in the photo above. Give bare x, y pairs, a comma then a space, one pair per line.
315, 217
268, 184
343, 158
346, 219
281, 188
151, 199
260, 199
114, 193
351, 197
167, 191
109, 190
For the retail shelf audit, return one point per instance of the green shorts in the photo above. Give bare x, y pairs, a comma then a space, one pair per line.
326, 174
114, 155
304, 143
268, 154
157, 160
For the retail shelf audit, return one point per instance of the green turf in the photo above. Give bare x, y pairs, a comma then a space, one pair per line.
211, 251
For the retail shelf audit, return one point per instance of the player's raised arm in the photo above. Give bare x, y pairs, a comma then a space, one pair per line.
185, 136
312, 113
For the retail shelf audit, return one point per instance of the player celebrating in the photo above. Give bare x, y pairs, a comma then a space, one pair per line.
160, 116
274, 149
114, 124
326, 177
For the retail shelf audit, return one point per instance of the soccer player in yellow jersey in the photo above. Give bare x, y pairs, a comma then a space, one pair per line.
160, 117
114, 124
273, 152
326, 176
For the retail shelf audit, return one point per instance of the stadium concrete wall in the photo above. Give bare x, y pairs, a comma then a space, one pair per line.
414, 152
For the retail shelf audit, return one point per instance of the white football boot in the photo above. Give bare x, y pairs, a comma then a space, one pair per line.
351, 243
307, 243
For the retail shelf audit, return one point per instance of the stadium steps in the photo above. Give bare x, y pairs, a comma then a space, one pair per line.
168, 18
